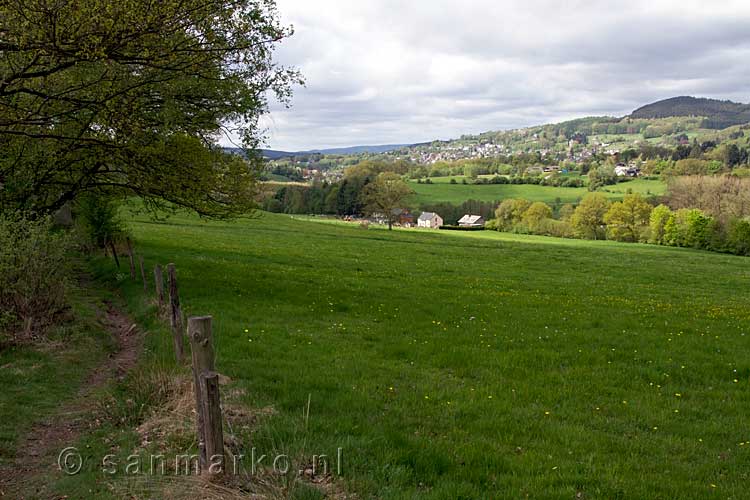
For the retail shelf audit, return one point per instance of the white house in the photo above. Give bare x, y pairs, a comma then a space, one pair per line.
430, 220
471, 221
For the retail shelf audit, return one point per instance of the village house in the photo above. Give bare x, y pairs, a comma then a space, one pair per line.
405, 219
471, 221
622, 170
430, 220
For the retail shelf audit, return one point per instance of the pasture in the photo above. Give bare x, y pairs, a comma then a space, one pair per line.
442, 191
453, 365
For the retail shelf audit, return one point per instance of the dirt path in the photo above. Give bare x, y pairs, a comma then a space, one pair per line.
37, 452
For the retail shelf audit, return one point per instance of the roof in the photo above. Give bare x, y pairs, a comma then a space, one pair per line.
428, 216
470, 219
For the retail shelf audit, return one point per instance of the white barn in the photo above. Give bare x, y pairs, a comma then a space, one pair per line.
430, 220
471, 221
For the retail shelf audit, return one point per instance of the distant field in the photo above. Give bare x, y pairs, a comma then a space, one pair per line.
482, 365
442, 191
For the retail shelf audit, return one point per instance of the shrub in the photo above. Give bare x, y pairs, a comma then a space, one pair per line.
461, 228
99, 221
34, 274
556, 228
738, 237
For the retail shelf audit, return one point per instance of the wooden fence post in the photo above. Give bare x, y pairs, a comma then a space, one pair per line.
213, 433
175, 317
114, 253
159, 284
202, 348
132, 259
143, 274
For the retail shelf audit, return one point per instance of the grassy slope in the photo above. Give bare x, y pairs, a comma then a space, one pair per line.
452, 365
458, 193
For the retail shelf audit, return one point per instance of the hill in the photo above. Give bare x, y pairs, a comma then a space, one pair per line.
718, 114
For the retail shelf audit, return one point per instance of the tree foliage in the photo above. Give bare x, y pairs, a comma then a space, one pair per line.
132, 97
535, 215
510, 212
627, 219
385, 195
588, 219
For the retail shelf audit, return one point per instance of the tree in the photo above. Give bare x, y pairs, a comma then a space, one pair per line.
657, 224
601, 176
132, 96
588, 219
566, 212
627, 219
688, 228
537, 213
510, 212
386, 194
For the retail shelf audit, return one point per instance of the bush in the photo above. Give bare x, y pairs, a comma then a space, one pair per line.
556, 228
738, 237
34, 274
99, 221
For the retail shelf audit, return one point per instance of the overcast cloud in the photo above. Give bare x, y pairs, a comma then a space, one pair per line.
383, 71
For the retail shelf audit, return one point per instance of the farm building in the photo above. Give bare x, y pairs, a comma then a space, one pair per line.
622, 170
430, 220
471, 221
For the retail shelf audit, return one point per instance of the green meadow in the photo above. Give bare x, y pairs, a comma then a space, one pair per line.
442, 191
481, 365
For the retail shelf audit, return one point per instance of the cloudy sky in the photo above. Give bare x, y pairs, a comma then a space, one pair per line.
405, 71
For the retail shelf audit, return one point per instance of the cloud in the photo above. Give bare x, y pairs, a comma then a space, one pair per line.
386, 71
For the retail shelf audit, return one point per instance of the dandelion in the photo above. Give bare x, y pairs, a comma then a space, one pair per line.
678, 394
546, 413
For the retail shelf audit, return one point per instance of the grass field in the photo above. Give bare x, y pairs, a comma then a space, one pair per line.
442, 191
477, 365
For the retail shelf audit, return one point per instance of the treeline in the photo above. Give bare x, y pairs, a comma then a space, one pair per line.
706, 213
339, 198
550, 180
